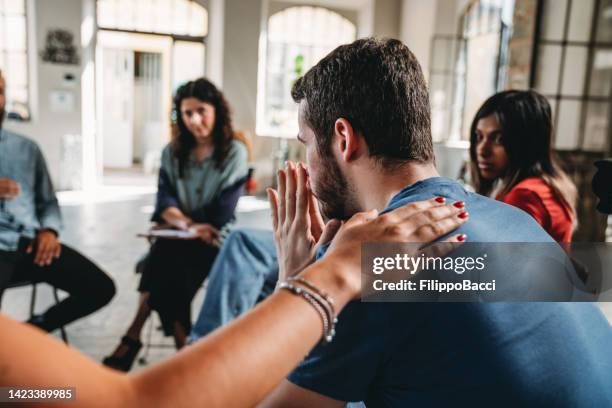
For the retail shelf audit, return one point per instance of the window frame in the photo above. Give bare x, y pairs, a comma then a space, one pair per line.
585, 98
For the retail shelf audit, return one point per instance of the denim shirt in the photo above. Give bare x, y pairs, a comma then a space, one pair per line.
36, 206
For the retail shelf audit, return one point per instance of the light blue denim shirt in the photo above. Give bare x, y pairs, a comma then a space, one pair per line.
36, 206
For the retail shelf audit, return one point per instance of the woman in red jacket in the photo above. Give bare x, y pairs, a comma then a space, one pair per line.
513, 161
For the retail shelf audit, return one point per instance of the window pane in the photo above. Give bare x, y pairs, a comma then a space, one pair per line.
297, 37
604, 25
143, 15
596, 129
553, 19
581, 20
601, 75
16, 32
17, 69
3, 35
183, 17
549, 65
568, 125
19, 95
105, 15
574, 70
14, 7
199, 20
13, 57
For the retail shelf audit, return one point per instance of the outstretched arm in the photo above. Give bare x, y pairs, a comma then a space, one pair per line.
235, 366
239, 364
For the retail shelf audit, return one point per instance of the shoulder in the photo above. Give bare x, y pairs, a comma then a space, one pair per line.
15, 138
497, 221
237, 151
530, 195
167, 155
167, 151
535, 185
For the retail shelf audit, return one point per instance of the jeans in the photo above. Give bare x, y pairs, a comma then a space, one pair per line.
245, 271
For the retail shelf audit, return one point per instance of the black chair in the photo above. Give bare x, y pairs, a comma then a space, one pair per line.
33, 301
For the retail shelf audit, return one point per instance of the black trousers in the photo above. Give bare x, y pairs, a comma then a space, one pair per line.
89, 288
173, 272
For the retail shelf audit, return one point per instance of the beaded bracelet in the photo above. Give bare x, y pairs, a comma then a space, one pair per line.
324, 299
319, 291
319, 304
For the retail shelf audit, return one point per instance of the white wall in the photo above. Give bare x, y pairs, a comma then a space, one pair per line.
46, 127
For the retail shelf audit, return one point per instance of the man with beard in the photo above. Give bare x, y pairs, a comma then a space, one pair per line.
30, 222
364, 120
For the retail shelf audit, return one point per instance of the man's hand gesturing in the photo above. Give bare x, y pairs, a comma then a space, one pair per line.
299, 229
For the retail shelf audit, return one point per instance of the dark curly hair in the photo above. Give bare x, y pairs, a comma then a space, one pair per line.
223, 133
377, 85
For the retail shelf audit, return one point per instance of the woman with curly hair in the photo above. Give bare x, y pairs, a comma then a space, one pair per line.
202, 175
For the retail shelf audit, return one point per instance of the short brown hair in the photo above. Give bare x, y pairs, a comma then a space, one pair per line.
378, 86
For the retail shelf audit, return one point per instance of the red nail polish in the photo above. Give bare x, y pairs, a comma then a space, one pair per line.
463, 215
461, 237
440, 199
459, 204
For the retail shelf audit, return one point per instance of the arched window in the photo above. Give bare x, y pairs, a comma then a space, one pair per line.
177, 17
297, 37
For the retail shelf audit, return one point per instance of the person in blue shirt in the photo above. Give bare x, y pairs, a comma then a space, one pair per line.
364, 120
202, 175
30, 226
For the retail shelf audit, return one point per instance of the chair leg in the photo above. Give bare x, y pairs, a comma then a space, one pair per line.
143, 359
33, 300
62, 329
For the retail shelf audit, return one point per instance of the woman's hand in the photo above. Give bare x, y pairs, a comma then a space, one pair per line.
206, 232
417, 222
298, 226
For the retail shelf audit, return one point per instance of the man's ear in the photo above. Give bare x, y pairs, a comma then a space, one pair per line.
348, 141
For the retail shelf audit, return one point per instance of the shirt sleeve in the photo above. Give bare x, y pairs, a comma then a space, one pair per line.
47, 206
345, 368
167, 195
531, 203
236, 166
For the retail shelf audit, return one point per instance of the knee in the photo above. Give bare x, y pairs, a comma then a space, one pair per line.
236, 237
105, 291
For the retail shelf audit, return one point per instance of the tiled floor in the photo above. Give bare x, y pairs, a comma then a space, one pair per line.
103, 225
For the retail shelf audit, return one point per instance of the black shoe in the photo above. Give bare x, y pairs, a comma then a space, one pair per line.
124, 363
40, 322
